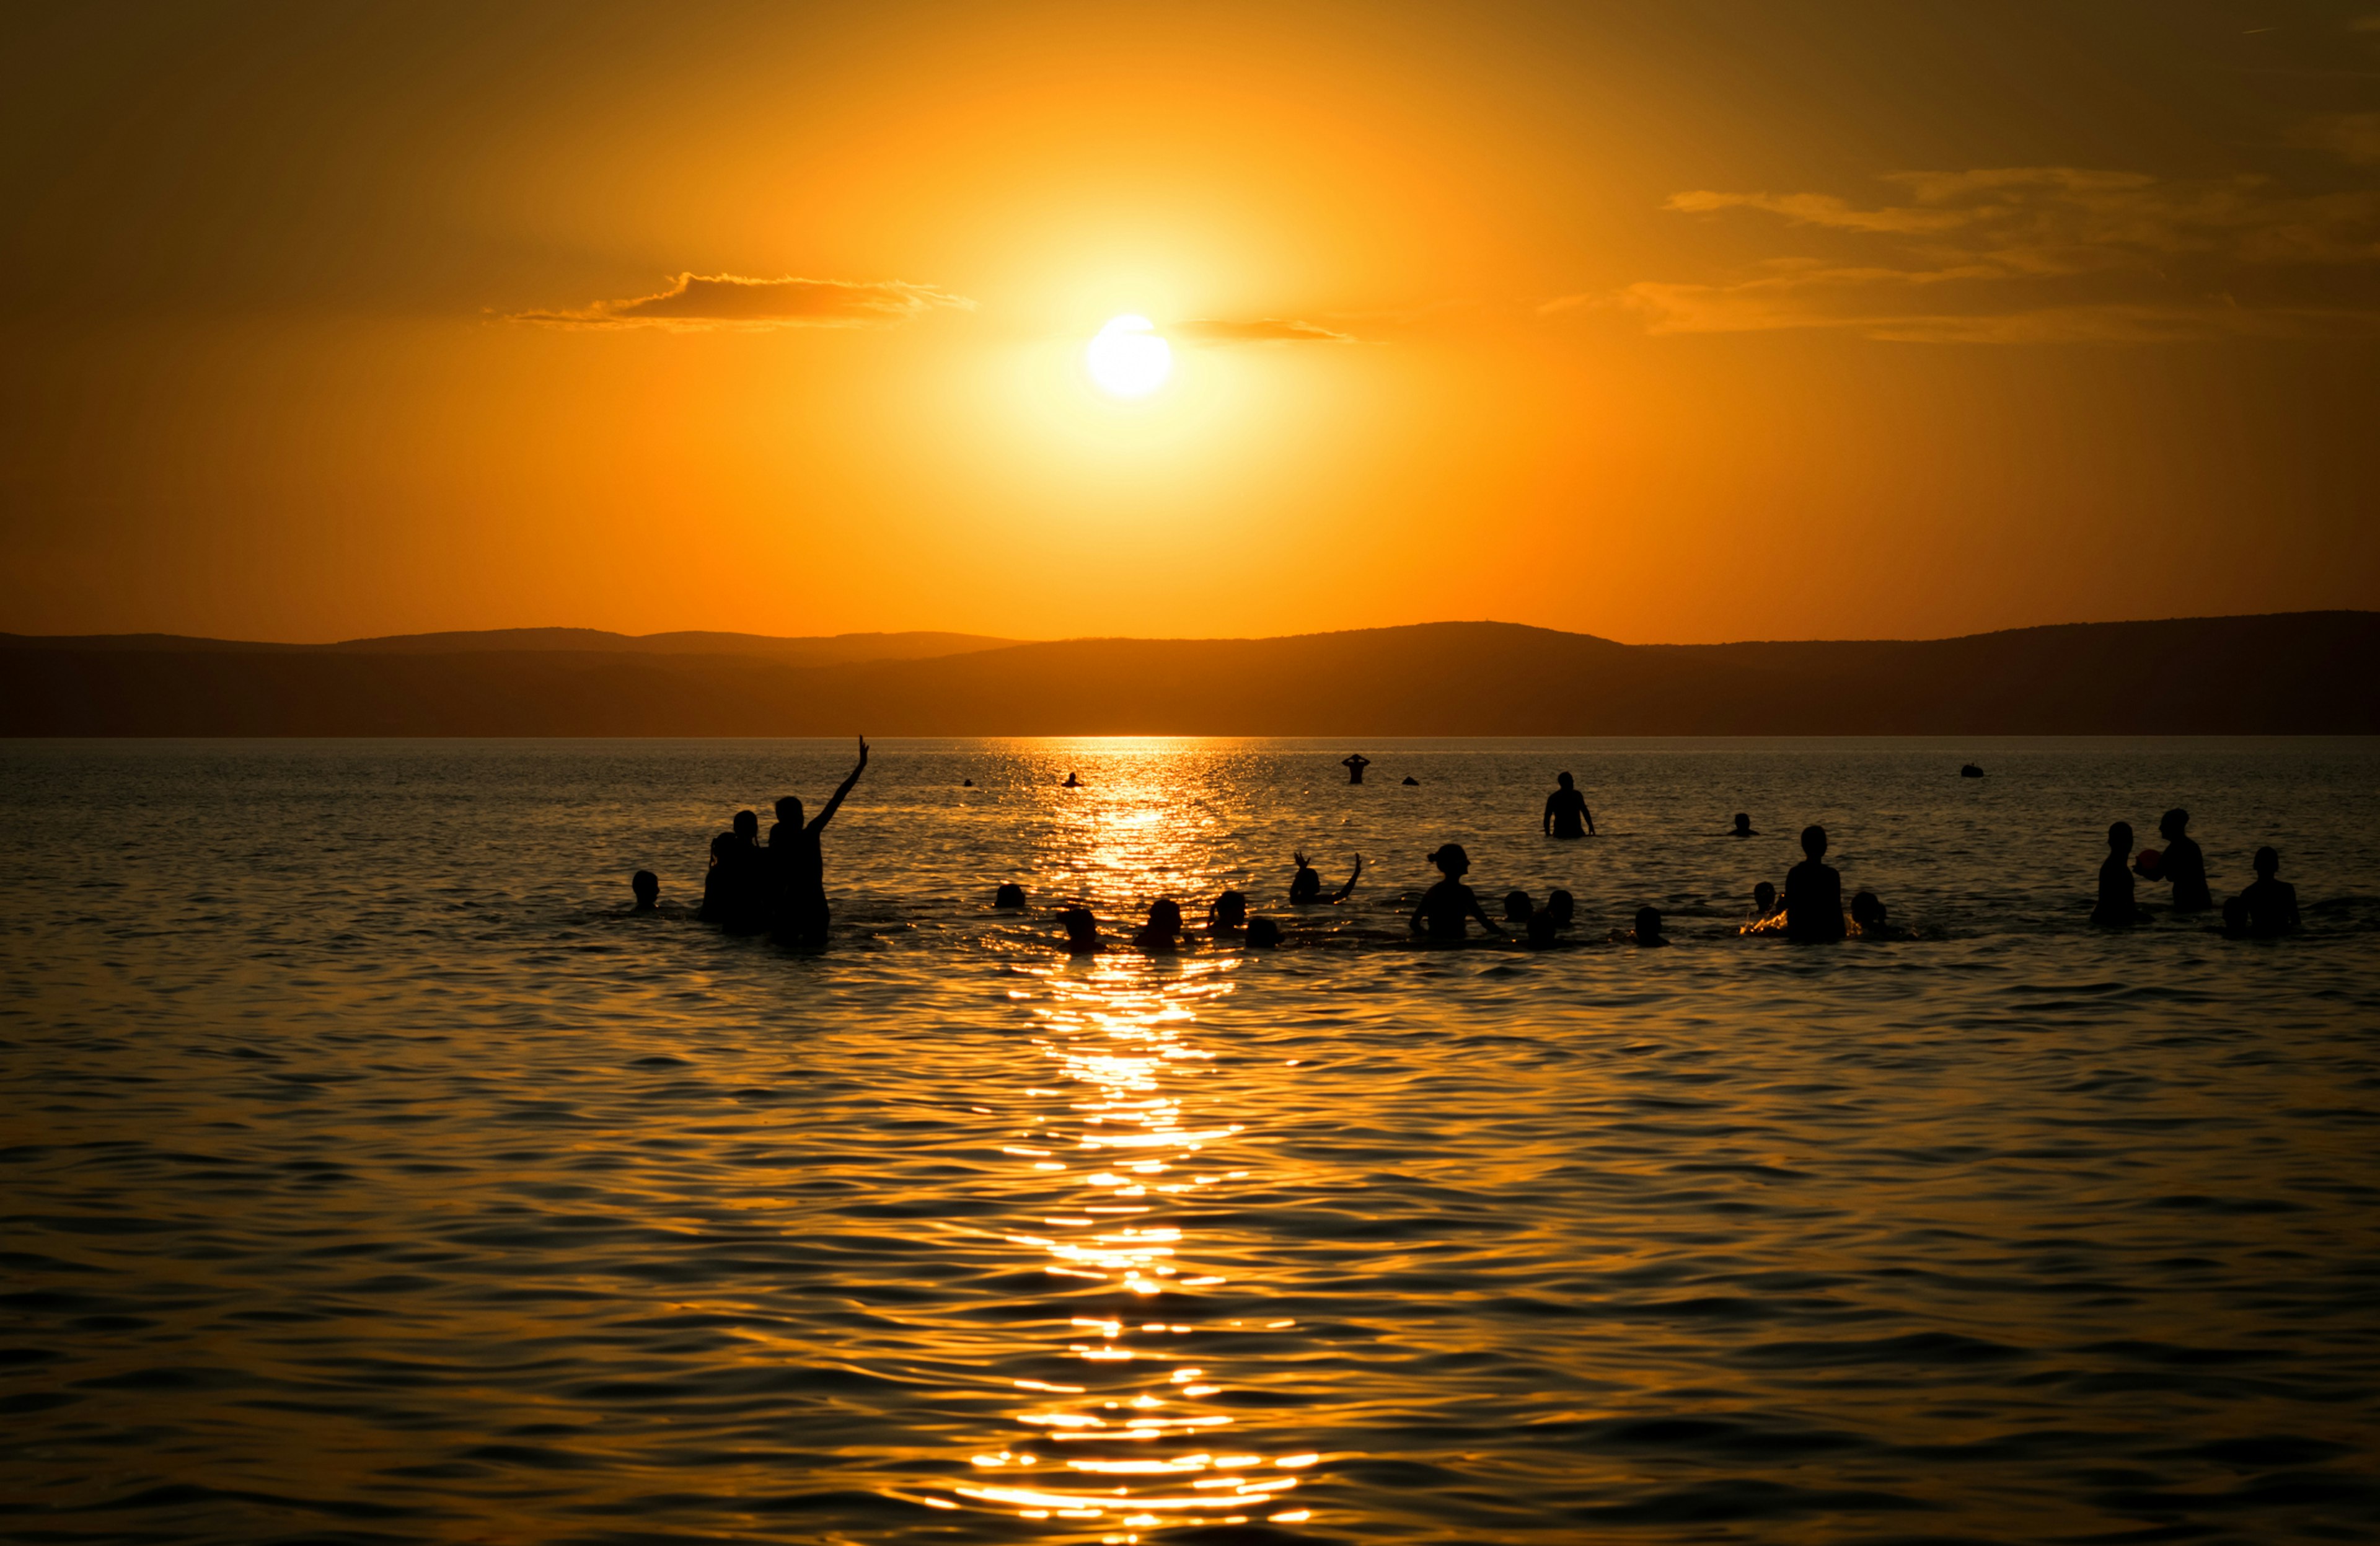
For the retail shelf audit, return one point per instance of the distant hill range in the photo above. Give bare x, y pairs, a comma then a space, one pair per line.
2292, 673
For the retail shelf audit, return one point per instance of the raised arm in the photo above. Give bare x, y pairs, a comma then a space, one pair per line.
1348, 890
836, 804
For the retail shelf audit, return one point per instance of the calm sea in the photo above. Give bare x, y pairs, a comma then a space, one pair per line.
367, 1175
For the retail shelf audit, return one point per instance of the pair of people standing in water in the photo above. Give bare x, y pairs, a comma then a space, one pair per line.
781, 888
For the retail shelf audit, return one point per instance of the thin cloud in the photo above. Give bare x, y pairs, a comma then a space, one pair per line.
1261, 330
2043, 253
2352, 135
695, 301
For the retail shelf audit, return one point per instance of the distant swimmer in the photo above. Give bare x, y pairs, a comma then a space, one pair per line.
1743, 826
1764, 901
1163, 929
2116, 909
1072, 782
1263, 934
1228, 914
1518, 909
1869, 919
966, 783
2269, 906
1305, 886
1970, 770
1412, 782
648, 889
1355, 766
1082, 932
1565, 809
2182, 865
1447, 906
1542, 930
1010, 895
799, 864
1560, 907
1814, 893
1648, 927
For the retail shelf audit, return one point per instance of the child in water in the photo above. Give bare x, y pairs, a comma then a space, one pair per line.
1082, 932
1227, 914
1305, 886
2116, 909
1163, 933
1447, 908
647, 888
2268, 908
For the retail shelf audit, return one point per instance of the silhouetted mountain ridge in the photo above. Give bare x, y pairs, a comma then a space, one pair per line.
2296, 673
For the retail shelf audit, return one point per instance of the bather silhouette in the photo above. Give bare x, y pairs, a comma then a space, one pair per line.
1742, 826
1565, 809
1764, 901
1227, 914
2183, 864
1010, 895
1814, 893
1518, 909
1082, 932
1543, 930
1355, 766
1559, 906
1163, 931
2269, 905
1648, 927
1305, 886
1446, 907
1263, 934
799, 865
1072, 783
1868, 919
2116, 909
734, 890
647, 888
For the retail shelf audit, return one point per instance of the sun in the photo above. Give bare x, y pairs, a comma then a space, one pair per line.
1128, 359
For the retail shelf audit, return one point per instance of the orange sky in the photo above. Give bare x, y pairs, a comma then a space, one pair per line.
1667, 323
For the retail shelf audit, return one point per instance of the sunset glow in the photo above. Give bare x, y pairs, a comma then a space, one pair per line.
1129, 358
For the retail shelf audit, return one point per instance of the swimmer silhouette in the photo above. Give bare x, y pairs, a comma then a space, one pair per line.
1814, 893
1447, 906
2116, 909
1543, 931
1072, 783
1648, 927
1565, 809
1082, 932
802, 912
2269, 905
1263, 934
1764, 900
1518, 909
1559, 906
1355, 766
1010, 895
1307, 886
1970, 770
966, 783
2183, 864
647, 887
1163, 931
1410, 781
1868, 918
1227, 914
732, 888
1742, 825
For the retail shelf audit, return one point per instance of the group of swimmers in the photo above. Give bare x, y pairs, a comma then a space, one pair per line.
779, 888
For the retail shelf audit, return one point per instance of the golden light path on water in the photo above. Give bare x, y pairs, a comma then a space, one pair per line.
1112, 1143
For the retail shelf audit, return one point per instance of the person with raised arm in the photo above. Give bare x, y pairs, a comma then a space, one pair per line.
1305, 886
798, 867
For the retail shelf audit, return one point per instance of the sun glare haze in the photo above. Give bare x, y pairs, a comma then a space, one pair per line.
1129, 358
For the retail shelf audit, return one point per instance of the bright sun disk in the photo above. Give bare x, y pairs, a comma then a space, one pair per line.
1128, 359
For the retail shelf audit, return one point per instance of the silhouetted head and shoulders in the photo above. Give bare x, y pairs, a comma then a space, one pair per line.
1813, 892
1082, 932
1263, 934
1870, 919
746, 827
1162, 931
2116, 909
1742, 825
1072, 781
647, 888
1306, 884
1447, 908
2269, 905
1010, 895
1648, 930
1561, 907
1227, 914
1518, 909
1355, 766
2182, 865
1566, 814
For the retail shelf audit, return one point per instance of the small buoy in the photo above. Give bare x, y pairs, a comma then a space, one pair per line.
1970, 770
1413, 781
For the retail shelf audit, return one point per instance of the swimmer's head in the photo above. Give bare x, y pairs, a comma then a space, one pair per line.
747, 826
1559, 906
1081, 926
2173, 824
1165, 914
1867, 911
722, 846
1010, 895
789, 809
1562, 779
647, 887
1542, 927
1648, 925
1230, 910
1764, 896
1517, 906
2267, 863
1451, 859
2120, 838
1263, 934
1813, 842
1744, 820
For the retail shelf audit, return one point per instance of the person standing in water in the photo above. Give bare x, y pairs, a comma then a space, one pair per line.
1306, 884
2116, 909
2269, 906
2183, 863
1447, 906
1565, 809
1355, 766
1814, 893
798, 866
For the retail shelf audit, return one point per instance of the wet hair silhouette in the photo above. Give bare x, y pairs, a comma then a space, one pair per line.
1010, 895
1082, 930
1867, 912
1447, 906
1743, 826
2115, 908
1163, 929
1307, 886
648, 889
2182, 865
1559, 906
1565, 811
1263, 934
1227, 912
1355, 766
1814, 893
1648, 926
747, 826
1764, 899
2270, 903
1518, 909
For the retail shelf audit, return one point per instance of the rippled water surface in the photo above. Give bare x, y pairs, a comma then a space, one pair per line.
369, 1174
